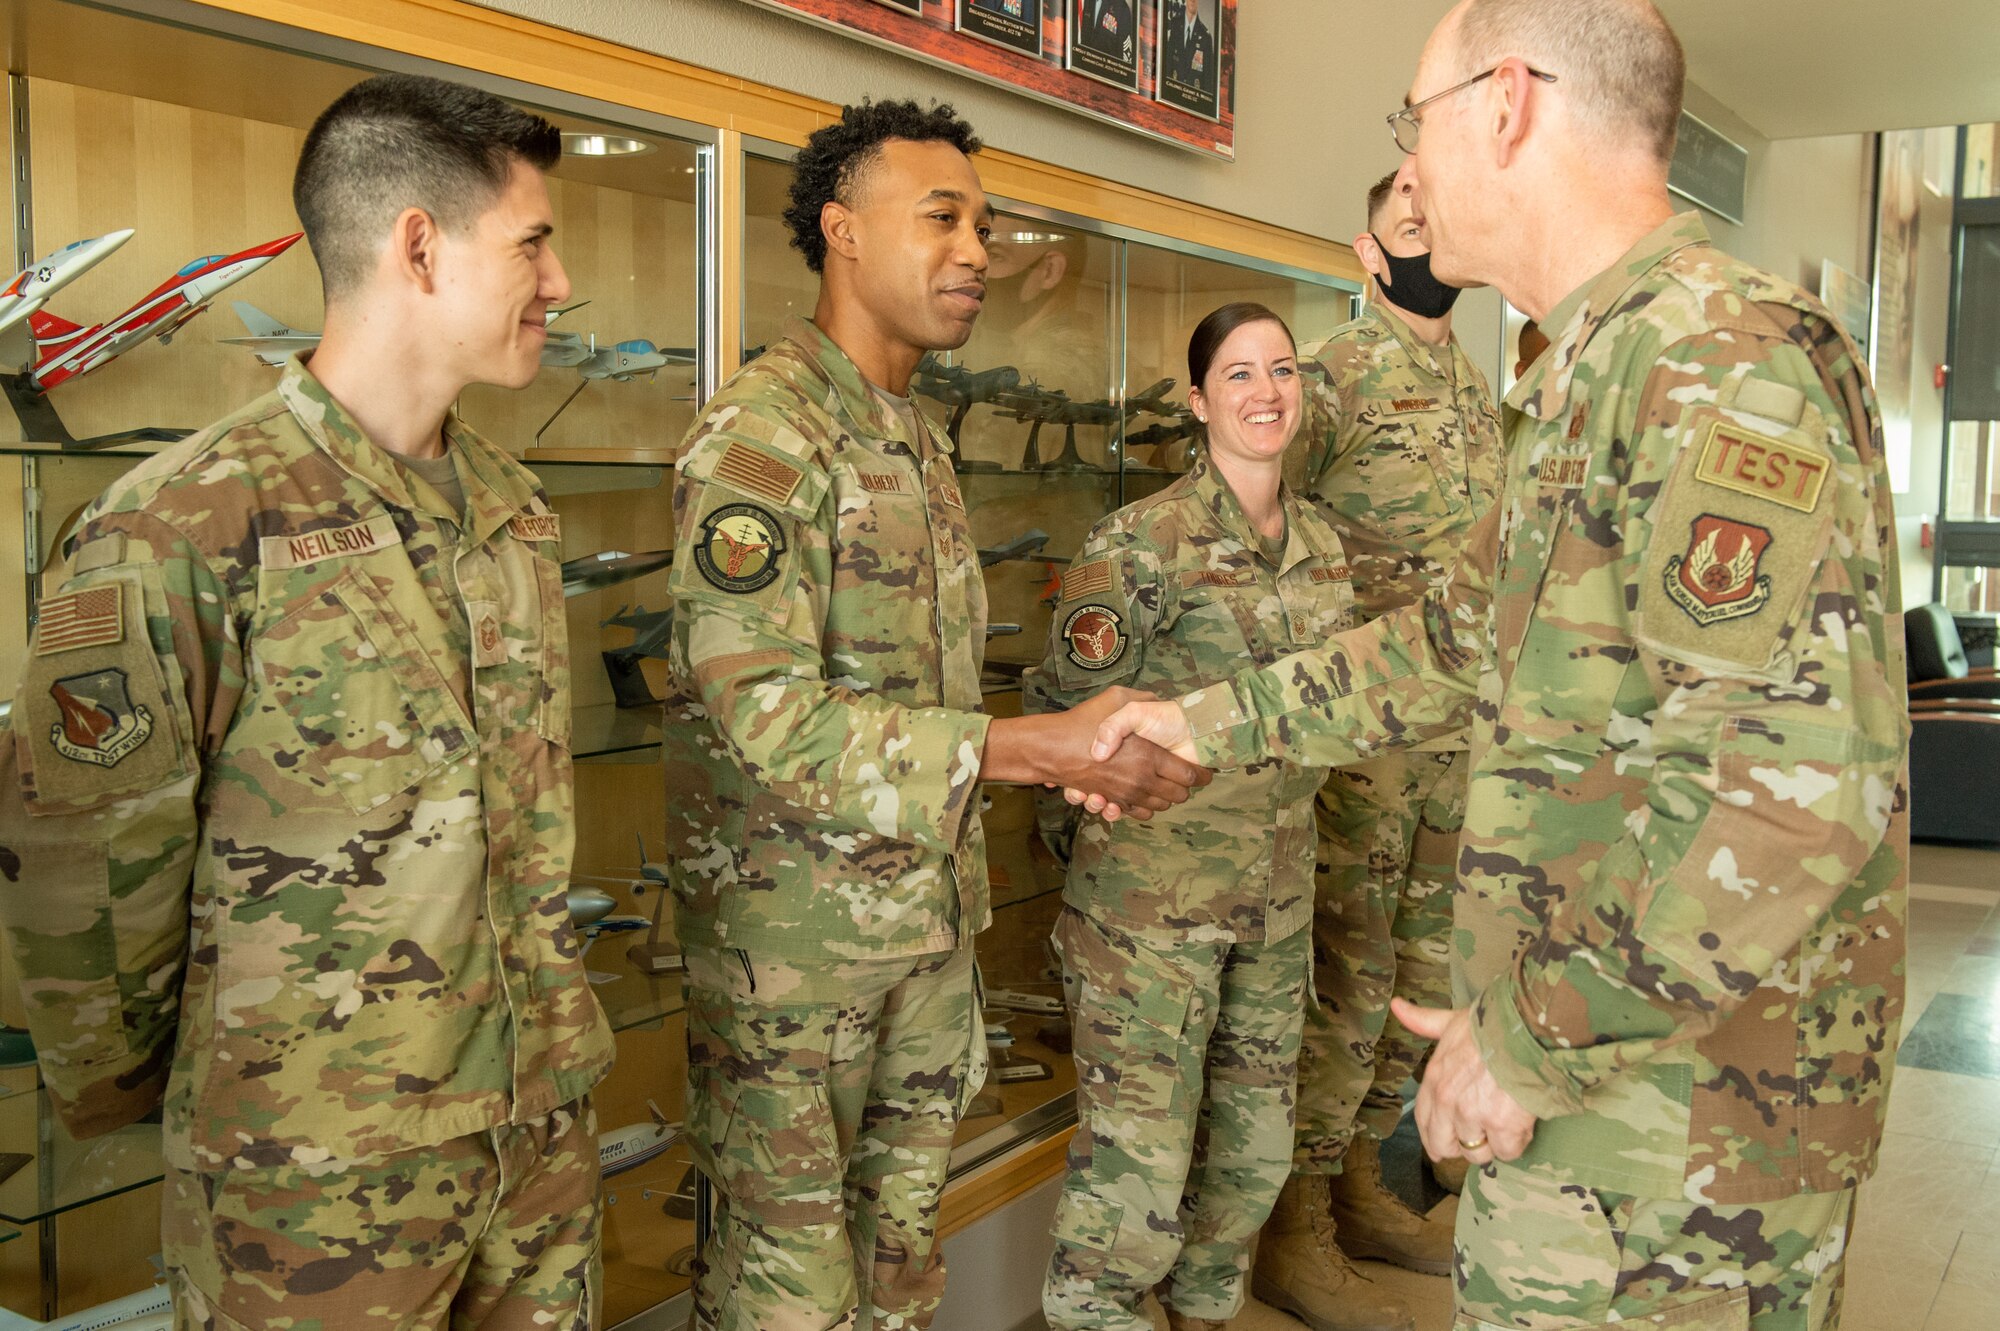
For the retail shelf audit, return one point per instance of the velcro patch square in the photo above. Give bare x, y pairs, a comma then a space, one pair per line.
758, 473
92, 617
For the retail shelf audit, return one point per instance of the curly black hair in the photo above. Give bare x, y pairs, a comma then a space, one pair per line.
836, 156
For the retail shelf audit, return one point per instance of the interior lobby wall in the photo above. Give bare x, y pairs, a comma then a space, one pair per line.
1312, 90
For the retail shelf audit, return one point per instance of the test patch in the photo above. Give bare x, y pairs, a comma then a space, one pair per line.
1756, 464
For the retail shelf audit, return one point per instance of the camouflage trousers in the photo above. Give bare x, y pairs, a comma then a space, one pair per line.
496, 1230
1388, 851
821, 1103
1550, 1257
1185, 1064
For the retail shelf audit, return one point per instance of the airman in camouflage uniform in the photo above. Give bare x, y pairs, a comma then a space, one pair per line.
825, 748
1684, 863
1184, 944
285, 836
1402, 467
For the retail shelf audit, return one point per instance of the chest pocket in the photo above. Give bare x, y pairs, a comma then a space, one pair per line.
881, 524
1406, 478
372, 714
1215, 625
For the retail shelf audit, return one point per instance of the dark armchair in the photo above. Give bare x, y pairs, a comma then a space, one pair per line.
1954, 734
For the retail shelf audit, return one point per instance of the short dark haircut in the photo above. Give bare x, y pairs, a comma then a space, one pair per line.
402, 141
1378, 197
831, 165
1212, 332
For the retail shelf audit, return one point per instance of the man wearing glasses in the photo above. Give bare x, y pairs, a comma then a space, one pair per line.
1683, 871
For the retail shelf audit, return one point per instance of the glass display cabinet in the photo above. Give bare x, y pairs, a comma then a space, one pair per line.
1066, 404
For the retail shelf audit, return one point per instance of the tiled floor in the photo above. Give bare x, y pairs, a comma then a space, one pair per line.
1926, 1249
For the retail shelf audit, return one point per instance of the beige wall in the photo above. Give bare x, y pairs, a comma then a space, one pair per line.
1313, 86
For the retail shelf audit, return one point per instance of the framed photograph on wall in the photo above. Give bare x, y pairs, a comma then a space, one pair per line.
1014, 24
1103, 41
1190, 77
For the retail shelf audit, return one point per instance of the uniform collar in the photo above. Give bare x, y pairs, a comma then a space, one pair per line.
1420, 353
1212, 491
497, 488
852, 398
1544, 391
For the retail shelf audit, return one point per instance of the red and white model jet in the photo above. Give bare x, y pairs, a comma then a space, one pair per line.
64, 350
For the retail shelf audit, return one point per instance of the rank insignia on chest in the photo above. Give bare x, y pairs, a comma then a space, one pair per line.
1716, 578
1577, 421
1096, 636
740, 548
100, 725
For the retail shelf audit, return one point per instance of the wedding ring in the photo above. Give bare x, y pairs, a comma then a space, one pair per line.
1473, 1145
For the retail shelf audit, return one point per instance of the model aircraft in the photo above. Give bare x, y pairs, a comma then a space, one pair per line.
1052, 406
34, 285
65, 351
270, 341
629, 1147
960, 388
608, 568
1028, 545
650, 631
273, 343
148, 1310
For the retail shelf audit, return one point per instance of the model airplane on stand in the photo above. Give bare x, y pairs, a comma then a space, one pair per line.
39, 351
65, 351
273, 343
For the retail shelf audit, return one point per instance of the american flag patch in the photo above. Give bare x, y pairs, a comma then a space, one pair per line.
1089, 580
760, 474
93, 617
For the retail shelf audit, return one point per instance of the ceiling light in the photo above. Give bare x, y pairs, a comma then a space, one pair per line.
604, 145
1034, 237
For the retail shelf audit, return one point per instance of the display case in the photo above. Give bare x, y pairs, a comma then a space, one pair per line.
183, 121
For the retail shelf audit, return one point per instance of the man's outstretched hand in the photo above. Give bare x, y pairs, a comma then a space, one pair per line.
1134, 719
1135, 779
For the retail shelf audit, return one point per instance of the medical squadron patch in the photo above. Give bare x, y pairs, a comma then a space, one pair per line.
740, 549
1096, 636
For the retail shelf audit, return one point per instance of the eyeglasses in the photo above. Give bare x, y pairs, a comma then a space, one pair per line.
1405, 125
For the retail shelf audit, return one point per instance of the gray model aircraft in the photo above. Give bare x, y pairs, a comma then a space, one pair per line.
1028, 545
961, 389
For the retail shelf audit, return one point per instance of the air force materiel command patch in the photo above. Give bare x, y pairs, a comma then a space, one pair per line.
100, 725
740, 548
1096, 637
1716, 578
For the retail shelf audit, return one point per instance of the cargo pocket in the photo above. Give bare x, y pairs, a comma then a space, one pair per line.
553, 717
760, 1123
1131, 1015
1086, 1220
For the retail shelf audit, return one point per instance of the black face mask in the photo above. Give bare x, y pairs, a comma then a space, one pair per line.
1413, 286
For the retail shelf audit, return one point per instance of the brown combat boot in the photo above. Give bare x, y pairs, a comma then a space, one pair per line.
1375, 1222
1301, 1269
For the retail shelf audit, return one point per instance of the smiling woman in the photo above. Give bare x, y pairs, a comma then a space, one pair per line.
1183, 940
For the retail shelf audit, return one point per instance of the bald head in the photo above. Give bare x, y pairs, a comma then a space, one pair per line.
1619, 65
